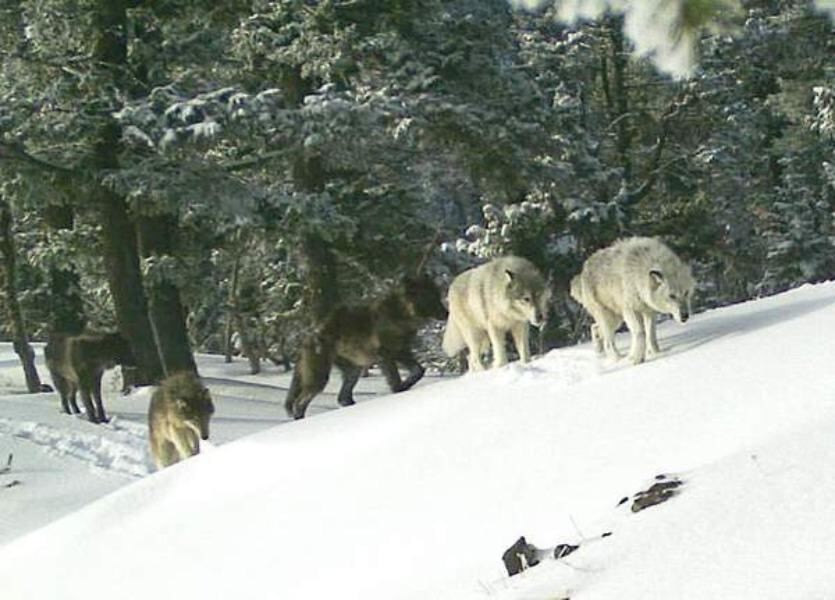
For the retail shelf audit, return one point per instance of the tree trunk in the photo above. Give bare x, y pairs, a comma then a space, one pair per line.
321, 285
120, 250
66, 308
21, 340
320, 292
232, 303
122, 264
157, 237
620, 98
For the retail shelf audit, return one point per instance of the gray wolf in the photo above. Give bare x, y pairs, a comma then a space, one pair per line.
486, 302
178, 418
355, 337
77, 362
632, 280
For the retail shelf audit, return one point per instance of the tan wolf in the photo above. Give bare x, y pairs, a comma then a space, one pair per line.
178, 418
355, 337
631, 281
504, 295
77, 362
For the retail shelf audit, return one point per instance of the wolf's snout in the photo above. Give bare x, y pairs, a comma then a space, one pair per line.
684, 317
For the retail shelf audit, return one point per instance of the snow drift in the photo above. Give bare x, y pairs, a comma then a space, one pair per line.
417, 495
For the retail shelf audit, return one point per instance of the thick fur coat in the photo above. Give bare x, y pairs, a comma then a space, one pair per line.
631, 281
357, 336
178, 418
76, 364
504, 295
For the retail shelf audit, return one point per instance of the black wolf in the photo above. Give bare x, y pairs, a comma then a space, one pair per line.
355, 337
77, 362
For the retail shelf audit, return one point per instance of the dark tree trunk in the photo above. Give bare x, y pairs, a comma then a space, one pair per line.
119, 236
619, 109
157, 237
122, 264
21, 339
66, 308
232, 302
321, 291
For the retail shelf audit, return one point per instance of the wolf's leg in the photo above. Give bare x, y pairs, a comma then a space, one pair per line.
309, 377
416, 370
497, 341
100, 415
652, 338
389, 368
606, 323
350, 376
164, 453
85, 385
635, 323
521, 333
475, 340
596, 339
302, 395
186, 442
73, 387
64, 389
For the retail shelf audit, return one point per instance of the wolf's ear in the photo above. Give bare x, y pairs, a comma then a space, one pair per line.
656, 277
510, 275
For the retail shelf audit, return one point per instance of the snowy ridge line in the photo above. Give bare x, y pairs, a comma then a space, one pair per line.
122, 452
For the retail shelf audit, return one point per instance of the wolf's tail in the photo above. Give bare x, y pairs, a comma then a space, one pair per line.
453, 342
577, 288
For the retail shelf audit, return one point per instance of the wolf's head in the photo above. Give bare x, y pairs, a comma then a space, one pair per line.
118, 350
671, 291
424, 296
529, 296
192, 402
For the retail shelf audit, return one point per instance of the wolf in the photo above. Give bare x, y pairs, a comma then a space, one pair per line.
77, 362
632, 280
504, 295
178, 418
355, 337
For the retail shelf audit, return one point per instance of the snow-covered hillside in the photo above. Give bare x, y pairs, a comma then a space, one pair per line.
416, 496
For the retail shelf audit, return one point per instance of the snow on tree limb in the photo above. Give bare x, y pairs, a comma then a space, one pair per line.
665, 31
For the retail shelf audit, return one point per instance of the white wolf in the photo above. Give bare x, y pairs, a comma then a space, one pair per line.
632, 280
505, 294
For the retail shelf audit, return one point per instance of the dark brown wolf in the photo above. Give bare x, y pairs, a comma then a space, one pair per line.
355, 337
178, 418
77, 362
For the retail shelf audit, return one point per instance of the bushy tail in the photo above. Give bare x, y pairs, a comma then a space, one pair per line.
453, 342
577, 288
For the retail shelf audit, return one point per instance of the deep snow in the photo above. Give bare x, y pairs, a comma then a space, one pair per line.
417, 495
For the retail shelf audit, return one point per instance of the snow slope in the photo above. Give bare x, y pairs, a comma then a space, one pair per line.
417, 495
62, 463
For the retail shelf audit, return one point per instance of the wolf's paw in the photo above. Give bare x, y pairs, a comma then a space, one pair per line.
346, 401
636, 359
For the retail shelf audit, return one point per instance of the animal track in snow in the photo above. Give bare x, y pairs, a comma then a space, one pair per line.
122, 451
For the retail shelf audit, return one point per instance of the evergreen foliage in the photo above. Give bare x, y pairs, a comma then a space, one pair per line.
303, 152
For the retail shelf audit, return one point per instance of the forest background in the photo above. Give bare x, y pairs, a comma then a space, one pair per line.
194, 172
